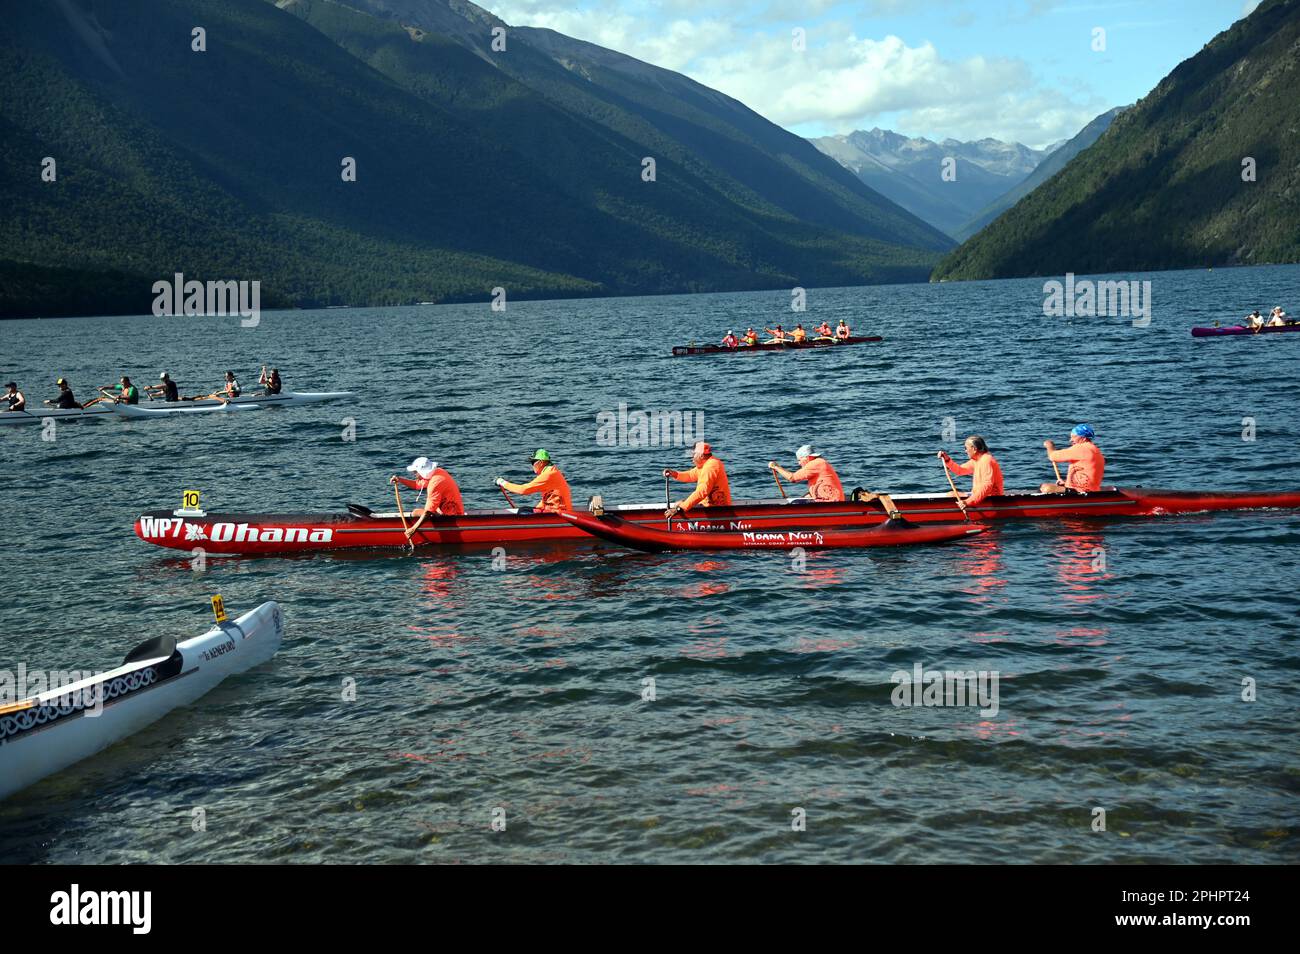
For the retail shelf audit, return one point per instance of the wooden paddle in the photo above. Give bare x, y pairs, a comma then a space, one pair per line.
777, 478
668, 501
955, 492
401, 512
508, 500
1058, 471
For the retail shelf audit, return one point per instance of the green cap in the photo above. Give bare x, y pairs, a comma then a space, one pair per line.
541, 455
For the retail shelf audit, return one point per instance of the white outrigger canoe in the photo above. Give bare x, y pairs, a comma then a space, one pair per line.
248, 402
48, 732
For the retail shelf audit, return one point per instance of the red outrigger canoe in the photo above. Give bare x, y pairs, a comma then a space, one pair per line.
892, 533
683, 350
1235, 330
244, 533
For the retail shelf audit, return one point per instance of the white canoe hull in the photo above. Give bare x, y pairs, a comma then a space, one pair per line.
40, 414
60, 730
250, 402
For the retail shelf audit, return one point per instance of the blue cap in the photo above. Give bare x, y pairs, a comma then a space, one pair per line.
1083, 430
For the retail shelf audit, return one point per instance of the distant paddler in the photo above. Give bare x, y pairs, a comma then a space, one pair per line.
270, 381
751, 338
548, 481
799, 334
823, 482
779, 335
1276, 318
442, 496
842, 332
730, 341
710, 479
982, 468
16, 400
1086, 463
166, 388
823, 331
65, 400
1254, 320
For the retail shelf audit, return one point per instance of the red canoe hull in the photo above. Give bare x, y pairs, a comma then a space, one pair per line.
895, 533
218, 533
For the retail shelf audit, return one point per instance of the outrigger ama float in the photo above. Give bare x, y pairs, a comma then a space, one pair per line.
361, 528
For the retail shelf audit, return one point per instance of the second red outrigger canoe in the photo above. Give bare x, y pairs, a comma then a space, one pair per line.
893, 533
360, 528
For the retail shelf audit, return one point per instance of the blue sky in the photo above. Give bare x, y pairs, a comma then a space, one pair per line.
1021, 70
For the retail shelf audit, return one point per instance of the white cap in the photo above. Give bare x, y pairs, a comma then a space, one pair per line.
162, 376
805, 451
422, 466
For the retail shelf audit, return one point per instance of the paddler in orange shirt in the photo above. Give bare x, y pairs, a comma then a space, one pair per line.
1087, 464
823, 482
982, 468
442, 495
751, 337
799, 334
710, 477
548, 482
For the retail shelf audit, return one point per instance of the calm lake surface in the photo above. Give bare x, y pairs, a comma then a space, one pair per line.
521, 688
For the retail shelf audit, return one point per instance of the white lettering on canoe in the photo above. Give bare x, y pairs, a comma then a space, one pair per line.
151, 527
243, 533
791, 538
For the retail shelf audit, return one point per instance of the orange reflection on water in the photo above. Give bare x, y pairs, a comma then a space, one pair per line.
1083, 563
816, 578
1083, 636
981, 558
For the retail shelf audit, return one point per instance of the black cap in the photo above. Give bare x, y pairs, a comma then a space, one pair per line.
11, 385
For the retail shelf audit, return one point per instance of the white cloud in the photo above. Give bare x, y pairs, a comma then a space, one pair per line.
839, 83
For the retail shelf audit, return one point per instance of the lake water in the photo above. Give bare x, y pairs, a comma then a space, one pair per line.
1121, 646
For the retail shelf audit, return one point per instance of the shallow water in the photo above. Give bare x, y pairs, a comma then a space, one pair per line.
521, 689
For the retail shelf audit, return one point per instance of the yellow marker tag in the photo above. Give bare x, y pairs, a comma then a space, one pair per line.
190, 500
219, 609
17, 706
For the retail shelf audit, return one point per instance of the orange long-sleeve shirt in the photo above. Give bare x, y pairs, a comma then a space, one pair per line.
823, 482
442, 494
711, 486
550, 483
985, 474
1087, 464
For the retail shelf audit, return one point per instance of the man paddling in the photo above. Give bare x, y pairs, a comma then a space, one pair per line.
710, 478
983, 469
17, 400
823, 482
730, 341
127, 393
270, 382
442, 495
778, 334
842, 332
1087, 464
751, 338
799, 334
65, 401
1276, 318
166, 388
548, 481
823, 331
